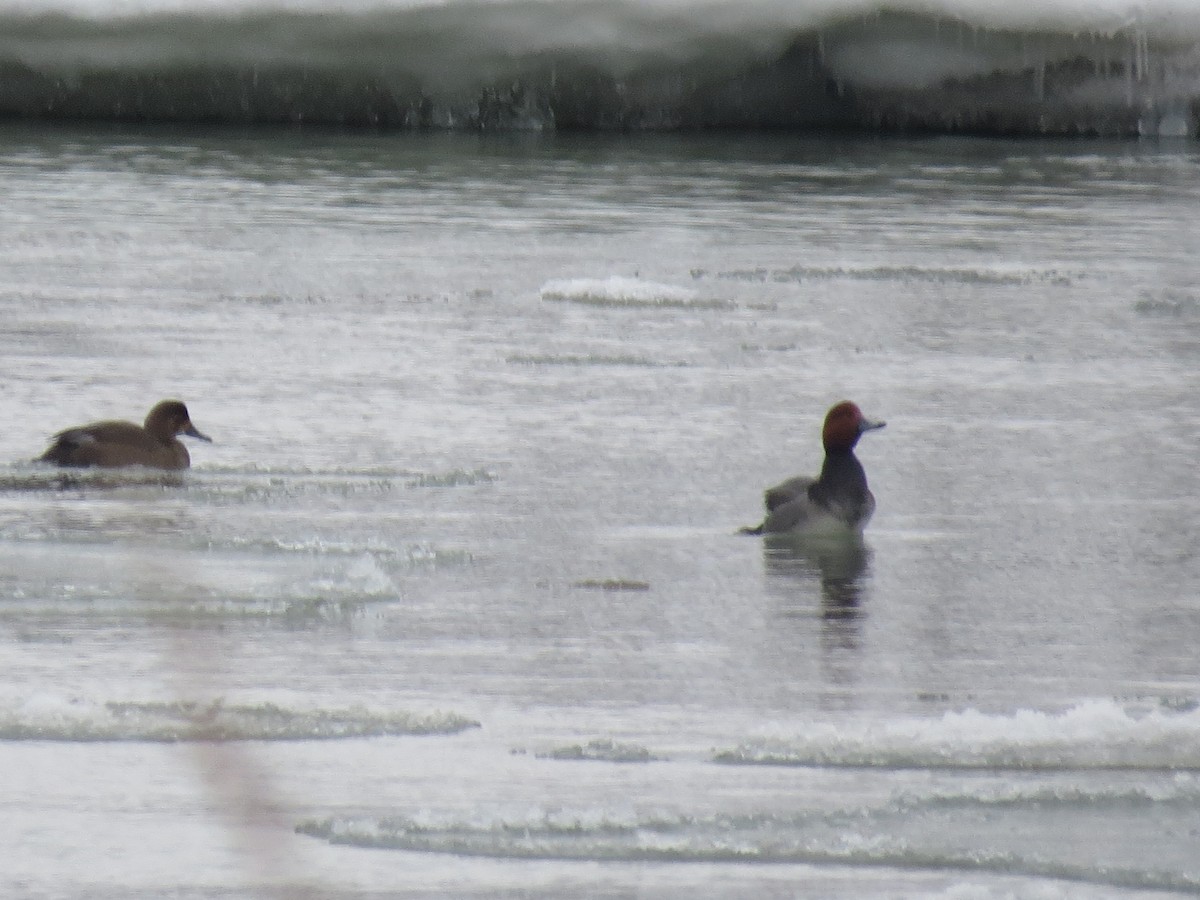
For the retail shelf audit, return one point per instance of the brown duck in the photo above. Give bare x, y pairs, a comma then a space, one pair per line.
115, 444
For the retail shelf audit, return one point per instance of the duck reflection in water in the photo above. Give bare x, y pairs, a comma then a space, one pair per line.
840, 566
794, 566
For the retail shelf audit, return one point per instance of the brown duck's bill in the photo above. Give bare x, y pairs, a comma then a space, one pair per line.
868, 425
192, 431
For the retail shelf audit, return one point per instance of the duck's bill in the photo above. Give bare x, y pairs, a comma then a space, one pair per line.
193, 431
868, 425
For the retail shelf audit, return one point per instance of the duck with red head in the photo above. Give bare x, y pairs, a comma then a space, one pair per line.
838, 498
115, 444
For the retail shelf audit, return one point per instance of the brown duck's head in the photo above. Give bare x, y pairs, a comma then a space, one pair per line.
169, 418
844, 425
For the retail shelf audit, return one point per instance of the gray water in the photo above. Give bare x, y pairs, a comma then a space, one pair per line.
454, 604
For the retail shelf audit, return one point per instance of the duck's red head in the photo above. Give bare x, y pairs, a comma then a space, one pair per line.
844, 425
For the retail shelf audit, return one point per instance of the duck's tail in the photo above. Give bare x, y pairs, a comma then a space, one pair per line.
757, 529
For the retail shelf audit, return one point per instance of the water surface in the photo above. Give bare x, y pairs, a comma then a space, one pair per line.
459, 579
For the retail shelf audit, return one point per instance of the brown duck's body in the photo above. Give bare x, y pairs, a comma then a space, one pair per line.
117, 444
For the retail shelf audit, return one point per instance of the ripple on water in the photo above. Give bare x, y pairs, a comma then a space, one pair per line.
895, 833
617, 291
55, 718
903, 274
